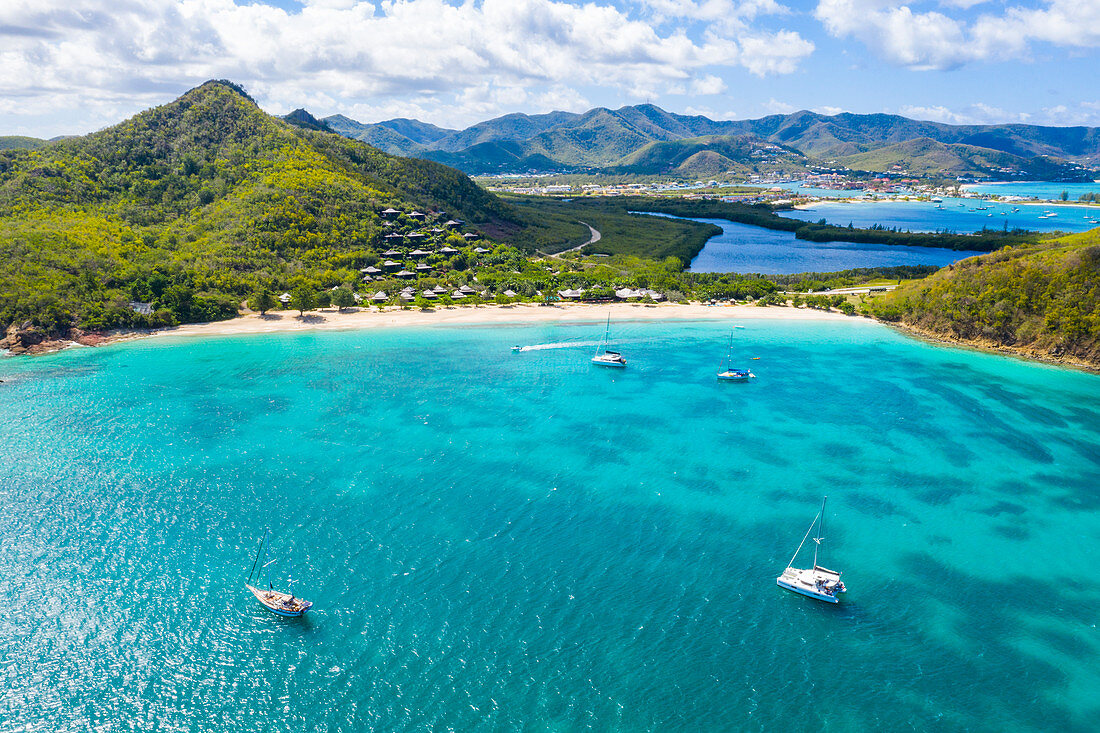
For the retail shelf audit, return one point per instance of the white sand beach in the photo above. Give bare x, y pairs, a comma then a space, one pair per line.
331, 319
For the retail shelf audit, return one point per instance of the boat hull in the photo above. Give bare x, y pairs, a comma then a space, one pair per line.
613, 363
818, 582
808, 592
735, 376
281, 604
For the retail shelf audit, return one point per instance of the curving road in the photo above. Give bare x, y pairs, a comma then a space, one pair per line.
595, 238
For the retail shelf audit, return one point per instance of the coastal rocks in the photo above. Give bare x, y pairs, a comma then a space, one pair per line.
27, 338
22, 338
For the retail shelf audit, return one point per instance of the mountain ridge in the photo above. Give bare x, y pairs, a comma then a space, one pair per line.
606, 138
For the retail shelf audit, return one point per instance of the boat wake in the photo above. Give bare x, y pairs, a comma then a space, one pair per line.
558, 345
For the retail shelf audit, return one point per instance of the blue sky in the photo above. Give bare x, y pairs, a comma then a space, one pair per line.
74, 66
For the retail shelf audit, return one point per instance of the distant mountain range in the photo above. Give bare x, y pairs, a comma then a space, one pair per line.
649, 140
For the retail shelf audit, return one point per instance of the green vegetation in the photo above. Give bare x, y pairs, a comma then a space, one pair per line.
553, 225
19, 142
1043, 297
197, 204
262, 301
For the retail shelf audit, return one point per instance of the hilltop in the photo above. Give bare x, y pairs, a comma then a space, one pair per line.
612, 139
191, 206
20, 142
1040, 299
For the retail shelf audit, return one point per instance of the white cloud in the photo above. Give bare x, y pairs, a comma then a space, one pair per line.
475, 57
709, 84
1082, 113
774, 107
933, 39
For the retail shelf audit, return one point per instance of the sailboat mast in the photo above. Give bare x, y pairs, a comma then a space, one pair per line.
820, 530
256, 562
606, 333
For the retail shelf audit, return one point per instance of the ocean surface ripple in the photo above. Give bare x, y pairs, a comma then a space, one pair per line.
522, 541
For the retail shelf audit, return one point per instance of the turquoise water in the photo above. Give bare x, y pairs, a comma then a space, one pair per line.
1049, 190
746, 248
957, 215
500, 541
807, 190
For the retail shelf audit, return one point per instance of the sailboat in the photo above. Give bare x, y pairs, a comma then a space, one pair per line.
283, 604
603, 356
816, 582
734, 375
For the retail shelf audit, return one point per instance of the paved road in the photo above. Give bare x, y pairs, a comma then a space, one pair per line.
595, 238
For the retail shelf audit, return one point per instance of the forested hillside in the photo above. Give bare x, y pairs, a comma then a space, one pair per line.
1042, 298
193, 205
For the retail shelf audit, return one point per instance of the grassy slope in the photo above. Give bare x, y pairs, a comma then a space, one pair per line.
1043, 298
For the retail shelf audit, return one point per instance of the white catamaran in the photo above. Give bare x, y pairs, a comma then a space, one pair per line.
816, 582
734, 375
607, 358
283, 604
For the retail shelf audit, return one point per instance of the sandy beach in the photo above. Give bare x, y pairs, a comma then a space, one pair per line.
331, 319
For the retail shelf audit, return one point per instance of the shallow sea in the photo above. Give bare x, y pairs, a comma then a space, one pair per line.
499, 541
1051, 190
957, 215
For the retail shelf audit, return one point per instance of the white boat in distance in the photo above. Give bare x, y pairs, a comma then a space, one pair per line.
283, 604
734, 375
816, 582
607, 358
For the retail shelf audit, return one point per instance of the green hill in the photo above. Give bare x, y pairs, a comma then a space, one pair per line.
1041, 299
193, 205
924, 156
19, 142
707, 155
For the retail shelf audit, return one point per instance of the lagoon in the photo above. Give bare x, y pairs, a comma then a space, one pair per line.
500, 541
751, 249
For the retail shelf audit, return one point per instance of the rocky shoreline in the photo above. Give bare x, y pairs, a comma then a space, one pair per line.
1020, 352
26, 338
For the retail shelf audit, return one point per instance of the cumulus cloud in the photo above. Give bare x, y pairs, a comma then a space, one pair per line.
333, 55
1082, 113
945, 39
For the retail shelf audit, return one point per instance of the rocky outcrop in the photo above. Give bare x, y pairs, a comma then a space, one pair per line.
23, 338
